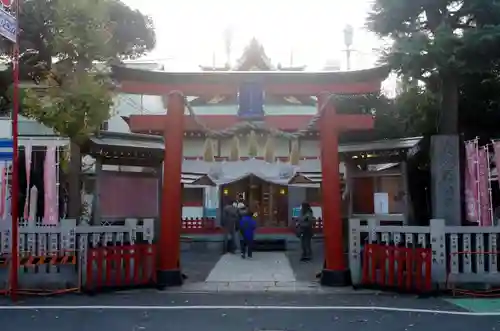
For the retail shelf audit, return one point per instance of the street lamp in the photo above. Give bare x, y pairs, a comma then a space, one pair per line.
228, 44
348, 37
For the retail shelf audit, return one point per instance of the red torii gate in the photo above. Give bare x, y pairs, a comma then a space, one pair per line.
320, 84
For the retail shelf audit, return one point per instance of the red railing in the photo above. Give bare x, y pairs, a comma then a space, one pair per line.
399, 269
205, 225
120, 267
318, 224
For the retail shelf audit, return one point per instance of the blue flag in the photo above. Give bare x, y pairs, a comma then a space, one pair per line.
251, 101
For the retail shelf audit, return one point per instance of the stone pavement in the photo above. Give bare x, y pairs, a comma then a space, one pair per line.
306, 272
263, 267
204, 287
265, 272
197, 264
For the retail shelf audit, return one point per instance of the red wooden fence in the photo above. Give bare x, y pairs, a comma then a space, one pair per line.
120, 267
400, 269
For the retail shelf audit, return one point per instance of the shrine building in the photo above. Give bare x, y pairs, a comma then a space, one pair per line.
275, 173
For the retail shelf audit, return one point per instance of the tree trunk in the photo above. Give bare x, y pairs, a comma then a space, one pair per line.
74, 185
448, 117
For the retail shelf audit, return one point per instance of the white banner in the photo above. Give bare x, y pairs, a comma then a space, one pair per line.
472, 181
484, 188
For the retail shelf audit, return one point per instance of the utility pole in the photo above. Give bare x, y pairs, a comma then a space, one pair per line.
348, 37
9, 15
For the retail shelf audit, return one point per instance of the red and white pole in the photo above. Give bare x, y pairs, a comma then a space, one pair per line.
14, 269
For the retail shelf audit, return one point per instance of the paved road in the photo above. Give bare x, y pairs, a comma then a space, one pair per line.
150, 310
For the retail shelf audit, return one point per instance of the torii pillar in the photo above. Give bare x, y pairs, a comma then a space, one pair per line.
136, 81
169, 271
335, 271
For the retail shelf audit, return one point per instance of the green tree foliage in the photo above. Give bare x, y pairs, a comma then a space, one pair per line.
413, 112
64, 43
76, 108
479, 105
441, 43
108, 27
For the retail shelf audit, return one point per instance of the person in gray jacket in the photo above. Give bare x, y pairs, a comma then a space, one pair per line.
305, 230
230, 219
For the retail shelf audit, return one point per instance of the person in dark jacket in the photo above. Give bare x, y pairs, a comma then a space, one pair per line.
230, 219
305, 230
247, 226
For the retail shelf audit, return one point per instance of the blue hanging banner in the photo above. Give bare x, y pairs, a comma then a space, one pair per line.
251, 101
6, 149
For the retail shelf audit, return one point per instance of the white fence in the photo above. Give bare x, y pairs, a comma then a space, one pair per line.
67, 238
460, 254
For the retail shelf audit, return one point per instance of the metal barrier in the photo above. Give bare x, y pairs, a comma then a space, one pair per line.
4, 263
399, 269
56, 259
52, 260
120, 267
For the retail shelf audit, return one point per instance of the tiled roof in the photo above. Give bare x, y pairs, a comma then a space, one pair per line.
196, 179
127, 140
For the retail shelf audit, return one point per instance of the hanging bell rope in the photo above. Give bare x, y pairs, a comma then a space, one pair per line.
234, 154
208, 151
269, 149
253, 145
295, 152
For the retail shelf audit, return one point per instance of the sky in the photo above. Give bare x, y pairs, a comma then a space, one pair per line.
191, 32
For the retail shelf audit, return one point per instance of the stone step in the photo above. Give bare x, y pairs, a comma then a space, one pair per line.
269, 245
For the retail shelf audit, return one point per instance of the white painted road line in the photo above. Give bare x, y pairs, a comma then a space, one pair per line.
323, 308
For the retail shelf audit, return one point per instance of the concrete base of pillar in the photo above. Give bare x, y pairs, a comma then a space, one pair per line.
166, 278
335, 278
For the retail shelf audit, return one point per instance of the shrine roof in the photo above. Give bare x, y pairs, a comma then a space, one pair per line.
122, 73
380, 145
196, 179
311, 169
126, 148
253, 57
122, 139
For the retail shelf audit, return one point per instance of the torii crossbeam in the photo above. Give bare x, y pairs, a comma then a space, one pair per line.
320, 84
